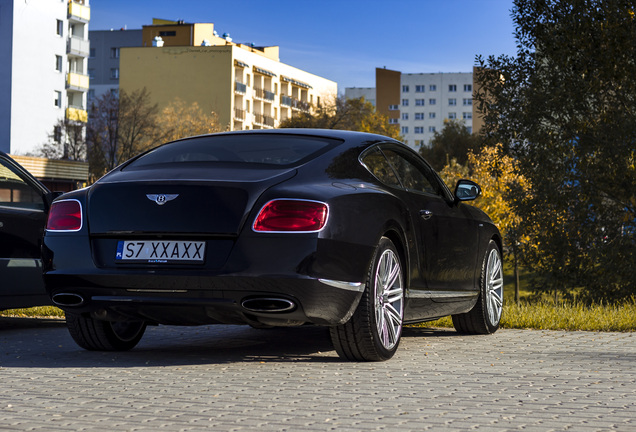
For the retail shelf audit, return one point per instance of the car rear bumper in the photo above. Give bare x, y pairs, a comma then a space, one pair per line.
196, 300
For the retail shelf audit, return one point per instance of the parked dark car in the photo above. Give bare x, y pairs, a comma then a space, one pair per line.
24, 203
347, 230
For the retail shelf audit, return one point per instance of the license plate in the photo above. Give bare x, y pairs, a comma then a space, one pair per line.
160, 252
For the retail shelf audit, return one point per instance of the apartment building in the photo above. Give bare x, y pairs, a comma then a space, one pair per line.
43, 77
420, 102
103, 63
246, 85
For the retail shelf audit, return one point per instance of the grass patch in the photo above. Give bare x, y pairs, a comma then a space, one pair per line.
34, 312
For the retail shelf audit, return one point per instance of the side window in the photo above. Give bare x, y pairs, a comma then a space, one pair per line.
377, 164
412, 173
15, 191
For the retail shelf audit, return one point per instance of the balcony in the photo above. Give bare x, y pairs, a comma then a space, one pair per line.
75, 81
239, 114
78, 47
79, 12
77, 114
264, 120
300, 105
264, 94
239, 87
286, 100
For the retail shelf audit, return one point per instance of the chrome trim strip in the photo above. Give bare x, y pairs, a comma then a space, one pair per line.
349, 286
141, 290
441, 294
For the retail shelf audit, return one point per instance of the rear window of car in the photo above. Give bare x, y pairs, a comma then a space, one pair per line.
267, 149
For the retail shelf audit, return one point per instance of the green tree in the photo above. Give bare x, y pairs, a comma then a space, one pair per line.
344, 114
565, 108
454, 141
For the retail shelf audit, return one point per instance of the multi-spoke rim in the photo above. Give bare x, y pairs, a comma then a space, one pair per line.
389, 296
494, 287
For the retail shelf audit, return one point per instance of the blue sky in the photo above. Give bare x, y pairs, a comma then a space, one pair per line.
342, 40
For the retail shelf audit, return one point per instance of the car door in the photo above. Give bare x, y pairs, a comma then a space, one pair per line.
23, 212
447, 231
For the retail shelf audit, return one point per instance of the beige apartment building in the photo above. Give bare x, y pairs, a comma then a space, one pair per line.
248, 87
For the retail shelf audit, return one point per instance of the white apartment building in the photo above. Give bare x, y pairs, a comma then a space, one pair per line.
45, 47
419, 103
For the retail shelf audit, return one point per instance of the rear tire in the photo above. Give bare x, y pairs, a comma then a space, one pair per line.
485, 316
97, 335
373, 332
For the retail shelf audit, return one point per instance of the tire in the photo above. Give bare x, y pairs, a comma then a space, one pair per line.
97, 335
373, 332
485, 316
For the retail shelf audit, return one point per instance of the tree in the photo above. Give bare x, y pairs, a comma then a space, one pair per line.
179, 120
344, 114
565, 108
119, 128
498, 177
454, 141
67, 141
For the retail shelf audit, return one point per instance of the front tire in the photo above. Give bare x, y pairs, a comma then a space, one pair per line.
97, 335
485, 316
373, 332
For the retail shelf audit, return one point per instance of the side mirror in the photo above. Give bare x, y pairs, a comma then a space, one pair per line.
466, 190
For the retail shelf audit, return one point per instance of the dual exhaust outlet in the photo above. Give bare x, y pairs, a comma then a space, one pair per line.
253, 304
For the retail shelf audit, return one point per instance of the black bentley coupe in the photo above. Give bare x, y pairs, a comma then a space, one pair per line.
347, 230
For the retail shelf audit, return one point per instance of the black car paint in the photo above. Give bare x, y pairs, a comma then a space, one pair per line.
21, 231
247, 264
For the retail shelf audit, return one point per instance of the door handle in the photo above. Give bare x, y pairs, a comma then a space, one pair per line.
426, 214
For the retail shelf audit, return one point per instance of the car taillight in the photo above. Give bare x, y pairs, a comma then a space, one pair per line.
287, 215
65, 215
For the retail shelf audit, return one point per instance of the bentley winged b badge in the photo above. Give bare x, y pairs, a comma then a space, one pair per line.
161, 199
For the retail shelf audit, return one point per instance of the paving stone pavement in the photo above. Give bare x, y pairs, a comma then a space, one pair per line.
234, 378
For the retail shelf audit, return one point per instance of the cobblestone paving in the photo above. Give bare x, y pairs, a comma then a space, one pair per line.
232, 378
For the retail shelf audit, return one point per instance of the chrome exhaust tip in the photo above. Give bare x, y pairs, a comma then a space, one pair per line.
67, 299
268, 305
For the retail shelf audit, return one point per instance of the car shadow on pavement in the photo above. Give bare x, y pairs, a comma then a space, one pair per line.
29, 342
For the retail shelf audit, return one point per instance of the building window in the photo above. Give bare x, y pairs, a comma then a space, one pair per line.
393, 121
59, 28
114, 92
58, 99
419, 116
58, 63
432, 87
431, 129
405, 116
452, 88
432, 101
468, 102
470, 129
452, 116
91, 93
114, 53
167, 33
431, 115
452, 102
405, 102
114, 73
405, 130
419, 130
91, 73
467, 116
393, 108
405, 89
420, 88
419, 102
468, 87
